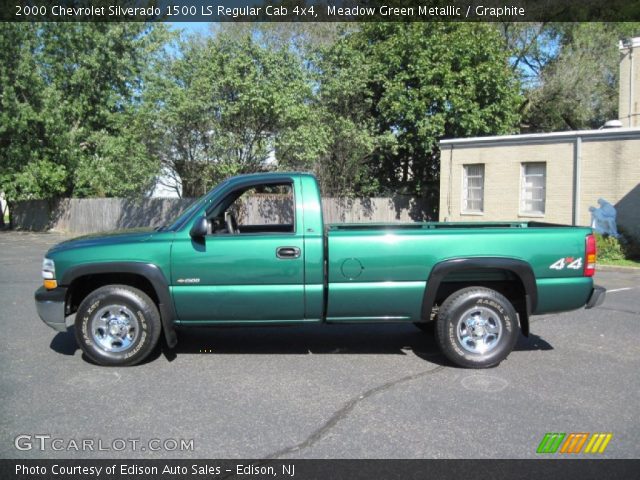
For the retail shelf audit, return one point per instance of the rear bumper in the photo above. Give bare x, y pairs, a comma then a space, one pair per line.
50, 306
597, 297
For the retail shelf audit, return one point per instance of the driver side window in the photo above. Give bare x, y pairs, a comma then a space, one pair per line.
259, 209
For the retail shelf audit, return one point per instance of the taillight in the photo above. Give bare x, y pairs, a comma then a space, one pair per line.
590, 256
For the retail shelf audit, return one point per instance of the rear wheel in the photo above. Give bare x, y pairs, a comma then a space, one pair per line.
117, 325
476, 327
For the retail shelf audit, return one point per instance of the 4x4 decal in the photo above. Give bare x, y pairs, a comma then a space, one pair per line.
567, 262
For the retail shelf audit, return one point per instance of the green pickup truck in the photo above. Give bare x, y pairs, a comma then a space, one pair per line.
219, 263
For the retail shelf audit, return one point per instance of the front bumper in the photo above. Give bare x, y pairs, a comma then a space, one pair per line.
50, 306
597, 297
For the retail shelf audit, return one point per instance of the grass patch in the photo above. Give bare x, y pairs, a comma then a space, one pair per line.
620, 263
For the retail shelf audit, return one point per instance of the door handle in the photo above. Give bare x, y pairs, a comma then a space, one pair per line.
287, 252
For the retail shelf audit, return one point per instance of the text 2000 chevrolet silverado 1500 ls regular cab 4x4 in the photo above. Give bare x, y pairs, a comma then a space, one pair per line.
478, 283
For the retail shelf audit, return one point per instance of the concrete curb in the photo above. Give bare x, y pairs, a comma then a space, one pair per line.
617, 268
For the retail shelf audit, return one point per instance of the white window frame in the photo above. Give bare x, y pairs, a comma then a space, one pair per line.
465, 210
524, 190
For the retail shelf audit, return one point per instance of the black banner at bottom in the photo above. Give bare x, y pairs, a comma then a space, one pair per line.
583, 469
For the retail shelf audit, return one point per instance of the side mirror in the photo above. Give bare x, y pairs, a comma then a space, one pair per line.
200, 228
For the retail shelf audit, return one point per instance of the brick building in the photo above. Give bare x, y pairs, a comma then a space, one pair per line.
551, 177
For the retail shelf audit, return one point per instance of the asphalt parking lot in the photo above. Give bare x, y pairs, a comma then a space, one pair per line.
379, 391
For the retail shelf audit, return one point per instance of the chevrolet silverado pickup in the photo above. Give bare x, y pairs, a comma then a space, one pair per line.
475, 285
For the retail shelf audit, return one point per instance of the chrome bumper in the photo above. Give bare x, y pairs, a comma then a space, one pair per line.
50, 306
597, 297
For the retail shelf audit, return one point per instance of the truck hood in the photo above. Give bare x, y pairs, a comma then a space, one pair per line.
131, 235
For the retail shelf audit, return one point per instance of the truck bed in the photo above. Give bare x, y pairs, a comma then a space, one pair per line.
375, 268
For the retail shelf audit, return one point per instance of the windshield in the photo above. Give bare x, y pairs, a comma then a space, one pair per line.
197, 204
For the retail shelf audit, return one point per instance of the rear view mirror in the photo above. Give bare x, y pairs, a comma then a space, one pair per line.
200, 228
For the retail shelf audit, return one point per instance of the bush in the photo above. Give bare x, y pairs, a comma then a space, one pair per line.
612, 249
609, 248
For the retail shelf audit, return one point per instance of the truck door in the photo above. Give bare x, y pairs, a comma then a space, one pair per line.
251, 265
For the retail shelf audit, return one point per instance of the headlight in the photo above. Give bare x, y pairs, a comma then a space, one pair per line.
49, 274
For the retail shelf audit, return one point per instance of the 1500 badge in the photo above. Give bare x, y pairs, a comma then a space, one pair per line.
567, 262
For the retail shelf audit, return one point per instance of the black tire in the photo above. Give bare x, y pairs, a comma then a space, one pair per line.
426, 327
117, 325
494, 327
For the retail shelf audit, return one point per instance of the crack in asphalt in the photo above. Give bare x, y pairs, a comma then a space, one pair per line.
337, 416
344, 411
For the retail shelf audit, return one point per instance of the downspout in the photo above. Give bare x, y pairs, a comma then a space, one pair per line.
631, 113
577, 165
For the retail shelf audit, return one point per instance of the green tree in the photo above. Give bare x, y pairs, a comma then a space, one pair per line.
71, 98
333, 134
572, 72
27, 138
224, 104
299, 37
97, 73
385, 93
343, 121
430, 81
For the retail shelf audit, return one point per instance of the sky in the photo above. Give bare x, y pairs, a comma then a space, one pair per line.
191, 27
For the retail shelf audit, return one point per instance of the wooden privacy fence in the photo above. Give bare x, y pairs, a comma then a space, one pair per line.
90, 215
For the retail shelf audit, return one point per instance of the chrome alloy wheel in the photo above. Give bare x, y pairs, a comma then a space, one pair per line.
114, 328
479, 330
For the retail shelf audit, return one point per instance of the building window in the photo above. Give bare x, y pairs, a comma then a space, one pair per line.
532, 196
473, 189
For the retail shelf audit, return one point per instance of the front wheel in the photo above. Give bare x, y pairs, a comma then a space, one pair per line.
117, 325
476, 327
